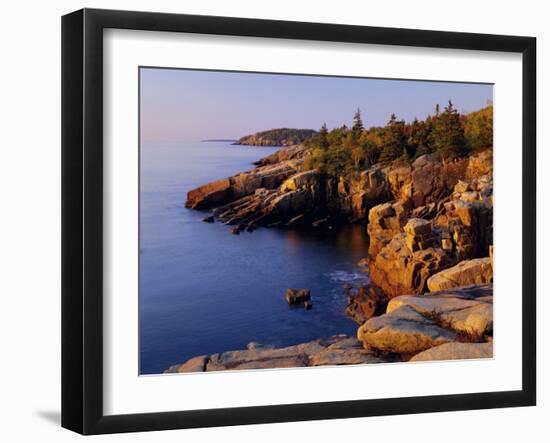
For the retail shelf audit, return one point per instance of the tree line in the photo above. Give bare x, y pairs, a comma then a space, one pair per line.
447, 134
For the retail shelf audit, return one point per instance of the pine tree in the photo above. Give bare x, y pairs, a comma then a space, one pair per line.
418, 142
323, 140
394, 141
447, 136
357, 127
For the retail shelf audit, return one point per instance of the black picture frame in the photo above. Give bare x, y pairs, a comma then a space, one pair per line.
82, 218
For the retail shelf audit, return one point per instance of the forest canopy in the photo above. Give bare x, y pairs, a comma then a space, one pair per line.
447, 134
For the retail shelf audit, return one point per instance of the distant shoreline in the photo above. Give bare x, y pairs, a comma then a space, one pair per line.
219, 140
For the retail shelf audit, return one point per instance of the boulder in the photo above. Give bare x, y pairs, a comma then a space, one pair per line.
365, 303
456, 351
468, 311
297, 296
403, 331
412, 324
465, 273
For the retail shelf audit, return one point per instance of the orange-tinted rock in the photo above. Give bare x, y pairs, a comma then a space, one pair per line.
365, 303
480, 164
385, 221
397, 270
414, 323
209, 195
465, 273
466, 309
403, 331
221, 192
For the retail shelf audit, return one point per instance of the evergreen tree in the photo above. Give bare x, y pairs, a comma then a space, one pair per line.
447, 136
357, 127
418, 142
323, 140
394, 140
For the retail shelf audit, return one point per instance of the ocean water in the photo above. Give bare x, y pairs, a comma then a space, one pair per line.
204, 290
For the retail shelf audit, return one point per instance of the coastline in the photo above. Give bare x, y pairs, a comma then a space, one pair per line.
430, 245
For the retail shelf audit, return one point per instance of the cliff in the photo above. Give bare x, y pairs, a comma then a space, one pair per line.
279, 192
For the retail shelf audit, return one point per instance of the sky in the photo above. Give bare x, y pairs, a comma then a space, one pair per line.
179, 105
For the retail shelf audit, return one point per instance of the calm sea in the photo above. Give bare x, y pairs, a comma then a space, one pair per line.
204, 290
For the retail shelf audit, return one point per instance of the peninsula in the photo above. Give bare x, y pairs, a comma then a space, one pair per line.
277, 137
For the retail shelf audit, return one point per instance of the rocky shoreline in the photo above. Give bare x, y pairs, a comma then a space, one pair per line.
429, 258
445, 325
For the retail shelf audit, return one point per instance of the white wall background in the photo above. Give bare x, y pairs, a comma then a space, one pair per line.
30, 218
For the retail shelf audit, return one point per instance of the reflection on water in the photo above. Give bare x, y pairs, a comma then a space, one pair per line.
203, 290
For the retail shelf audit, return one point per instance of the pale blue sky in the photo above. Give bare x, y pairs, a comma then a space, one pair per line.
185, 105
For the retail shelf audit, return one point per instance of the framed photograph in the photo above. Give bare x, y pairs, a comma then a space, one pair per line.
269, 221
